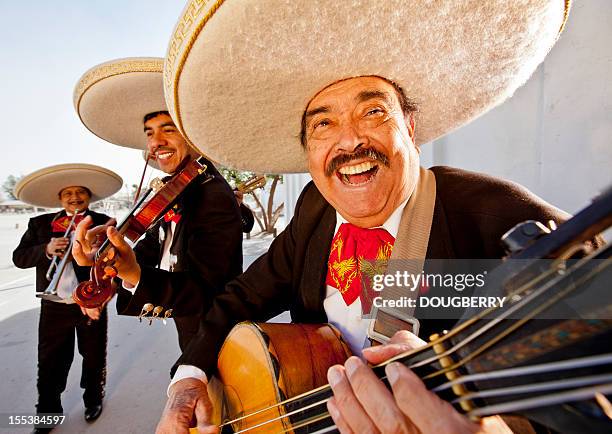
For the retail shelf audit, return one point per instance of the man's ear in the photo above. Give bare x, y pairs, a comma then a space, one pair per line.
411, 126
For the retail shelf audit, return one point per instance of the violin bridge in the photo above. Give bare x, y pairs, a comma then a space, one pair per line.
446, 361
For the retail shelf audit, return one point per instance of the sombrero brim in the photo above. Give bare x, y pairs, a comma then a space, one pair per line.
113, 98
41, 188
239, 74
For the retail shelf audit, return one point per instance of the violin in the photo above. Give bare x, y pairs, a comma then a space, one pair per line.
145, 213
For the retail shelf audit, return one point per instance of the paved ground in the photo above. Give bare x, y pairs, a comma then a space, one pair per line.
139, 355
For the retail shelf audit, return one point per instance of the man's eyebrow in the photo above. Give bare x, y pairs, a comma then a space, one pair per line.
373, 94
315, 111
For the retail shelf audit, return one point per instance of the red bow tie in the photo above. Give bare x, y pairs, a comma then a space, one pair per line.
356, 255
61, 224
172, 216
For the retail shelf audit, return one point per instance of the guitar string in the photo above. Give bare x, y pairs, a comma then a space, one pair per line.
311, 392
412, 352
589, 380
541, 401
578, 363
511, 406
553, 301
519, 323
427, 361
582, 362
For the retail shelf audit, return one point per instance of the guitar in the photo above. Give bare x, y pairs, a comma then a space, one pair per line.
501, 360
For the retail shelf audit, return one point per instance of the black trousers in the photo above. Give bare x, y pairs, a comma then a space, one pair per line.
56, 331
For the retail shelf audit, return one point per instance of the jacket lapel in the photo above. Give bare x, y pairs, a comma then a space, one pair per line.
315, 262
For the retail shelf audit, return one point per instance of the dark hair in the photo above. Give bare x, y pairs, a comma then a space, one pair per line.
407, 105
59, 194
154, 115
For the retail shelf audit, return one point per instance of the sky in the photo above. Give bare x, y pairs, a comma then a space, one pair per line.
46, 47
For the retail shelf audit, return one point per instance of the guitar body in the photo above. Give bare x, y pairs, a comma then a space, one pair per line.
261, 365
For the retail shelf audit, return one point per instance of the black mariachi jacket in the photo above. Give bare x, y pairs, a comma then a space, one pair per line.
472, 211
31, 251
207, 245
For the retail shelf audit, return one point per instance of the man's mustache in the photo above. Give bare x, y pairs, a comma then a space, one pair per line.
360, 153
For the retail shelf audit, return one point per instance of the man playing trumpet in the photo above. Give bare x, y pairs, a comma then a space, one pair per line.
72, 187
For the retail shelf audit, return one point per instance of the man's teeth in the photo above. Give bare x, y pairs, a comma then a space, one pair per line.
357, 168
164, 155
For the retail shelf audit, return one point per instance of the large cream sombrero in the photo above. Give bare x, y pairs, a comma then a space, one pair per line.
239, 74
113, 98
41, 188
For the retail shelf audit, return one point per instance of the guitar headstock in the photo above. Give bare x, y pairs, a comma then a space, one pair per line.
252, 184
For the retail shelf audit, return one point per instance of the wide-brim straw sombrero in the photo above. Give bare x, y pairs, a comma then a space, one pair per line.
239, 74
41, 188
112, 99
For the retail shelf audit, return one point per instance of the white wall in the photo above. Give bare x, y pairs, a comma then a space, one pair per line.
555, 134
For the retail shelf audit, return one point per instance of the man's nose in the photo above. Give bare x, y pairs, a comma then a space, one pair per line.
154, 141
350, 138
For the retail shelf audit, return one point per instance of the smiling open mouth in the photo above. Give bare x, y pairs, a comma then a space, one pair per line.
163, 155
357, 174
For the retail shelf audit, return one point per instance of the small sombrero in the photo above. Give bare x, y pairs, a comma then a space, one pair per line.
113, 98
239, 74
41, 188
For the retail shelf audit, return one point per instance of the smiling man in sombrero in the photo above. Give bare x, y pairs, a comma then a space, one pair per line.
189, 255
349, 92
71, 187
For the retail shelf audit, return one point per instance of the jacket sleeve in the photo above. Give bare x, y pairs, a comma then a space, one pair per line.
263, 291
31, 250
148, 248
214, 249
248, 220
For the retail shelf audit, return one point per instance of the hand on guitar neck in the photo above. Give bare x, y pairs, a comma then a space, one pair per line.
362, 403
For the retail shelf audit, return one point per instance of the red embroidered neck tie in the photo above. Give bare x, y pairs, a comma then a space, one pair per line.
61, 224
357, 255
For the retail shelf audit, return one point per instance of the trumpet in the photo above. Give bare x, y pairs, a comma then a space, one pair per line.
57, 266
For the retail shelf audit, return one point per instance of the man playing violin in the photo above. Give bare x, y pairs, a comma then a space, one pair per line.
188, 256
343, 88
73, 187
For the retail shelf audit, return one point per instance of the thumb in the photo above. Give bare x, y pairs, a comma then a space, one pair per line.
401, 342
